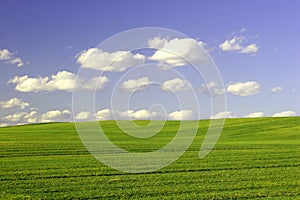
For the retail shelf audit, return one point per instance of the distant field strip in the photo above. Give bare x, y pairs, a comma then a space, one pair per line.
255, 158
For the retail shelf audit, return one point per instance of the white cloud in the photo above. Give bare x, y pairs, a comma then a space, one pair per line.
157, 42
134, 85
224, 114
6, 55
244, 88
141, 114
285, 114
105, 114
176, 84
84, 115
118, 61
55, 115
251, 48
138, 115
4, 124
276, 89
63, 80
212, 89
14, 102
16, 61
175, 51
255, 114
236, 44
22, 117
183, 115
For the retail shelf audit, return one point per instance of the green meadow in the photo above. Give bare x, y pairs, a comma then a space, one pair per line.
256, 158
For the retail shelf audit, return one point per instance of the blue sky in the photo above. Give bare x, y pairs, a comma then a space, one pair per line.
46, 37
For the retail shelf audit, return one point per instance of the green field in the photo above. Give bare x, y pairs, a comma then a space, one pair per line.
254, 158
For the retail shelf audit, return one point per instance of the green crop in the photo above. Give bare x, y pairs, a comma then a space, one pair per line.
254, 158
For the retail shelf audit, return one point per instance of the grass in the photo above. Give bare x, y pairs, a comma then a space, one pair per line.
254, 158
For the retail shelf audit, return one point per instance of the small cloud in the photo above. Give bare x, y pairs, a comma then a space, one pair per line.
276, 89
223, 115
242, 30
118, 61
236, 44
177, 51
105, 114
212, 89
16, 61
176, 84
133, 85
255, 114
244, 88
56, 115
285, 114
9, 57
183, 115
5, 54
84, 115
14, 102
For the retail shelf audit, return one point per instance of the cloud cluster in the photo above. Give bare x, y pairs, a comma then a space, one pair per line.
9, 57
21, 117
118, 61
244, 88
174, 52
109, 114
14, 102
63, 80
34, 117
236, 44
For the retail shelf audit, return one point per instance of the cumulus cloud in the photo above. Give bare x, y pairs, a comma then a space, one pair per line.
287, 113
63, 80
236, 44
134, 85
157, 42
224, 114
105, 114
183, 115
84, 115
9, 57
118, 61
14, 102
56, 115
5, 54
131, 114
244, 88
212, 89
175, 51
109, 114
22, 117
255, 114
276, 89
4, 124
176, 84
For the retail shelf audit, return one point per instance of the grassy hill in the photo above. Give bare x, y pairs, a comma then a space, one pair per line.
254, 158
